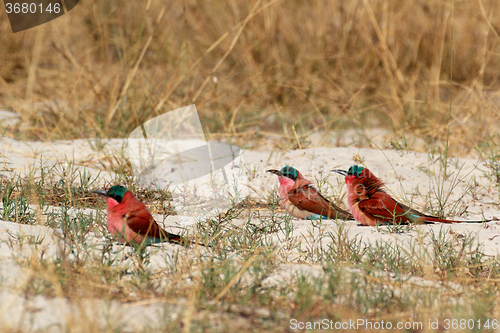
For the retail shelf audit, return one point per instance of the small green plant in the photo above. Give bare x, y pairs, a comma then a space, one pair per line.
16, 206
403, 145
447, 254
342, 248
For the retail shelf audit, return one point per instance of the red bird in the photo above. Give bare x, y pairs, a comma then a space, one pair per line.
371, 205
300, 199
129, 220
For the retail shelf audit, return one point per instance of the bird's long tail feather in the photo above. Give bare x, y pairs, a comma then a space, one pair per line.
435, 219
177, 239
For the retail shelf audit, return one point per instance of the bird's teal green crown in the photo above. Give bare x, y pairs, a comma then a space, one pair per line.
289, 172
117, 192
355, 170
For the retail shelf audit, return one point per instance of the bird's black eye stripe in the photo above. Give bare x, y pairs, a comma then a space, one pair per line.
116, 197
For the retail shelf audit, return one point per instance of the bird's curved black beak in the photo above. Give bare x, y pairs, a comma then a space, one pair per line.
342, 172
276, 172
101, 192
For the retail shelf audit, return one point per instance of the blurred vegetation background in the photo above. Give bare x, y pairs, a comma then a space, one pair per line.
260, 70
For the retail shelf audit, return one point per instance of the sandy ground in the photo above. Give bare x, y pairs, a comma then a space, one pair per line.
411, 177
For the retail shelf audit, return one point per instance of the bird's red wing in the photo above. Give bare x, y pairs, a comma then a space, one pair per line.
412, 211
142, 223
139, 219
308, 198
382, 206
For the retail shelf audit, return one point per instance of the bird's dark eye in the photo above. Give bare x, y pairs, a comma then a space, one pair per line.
116, 197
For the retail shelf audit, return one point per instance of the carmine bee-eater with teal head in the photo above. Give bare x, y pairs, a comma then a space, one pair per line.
371, 205
299, 198
129, 221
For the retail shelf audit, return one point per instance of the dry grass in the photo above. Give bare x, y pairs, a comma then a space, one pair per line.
260, 69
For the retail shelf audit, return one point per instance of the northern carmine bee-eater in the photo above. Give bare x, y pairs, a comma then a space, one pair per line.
371, 205
129, 221
300, 199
